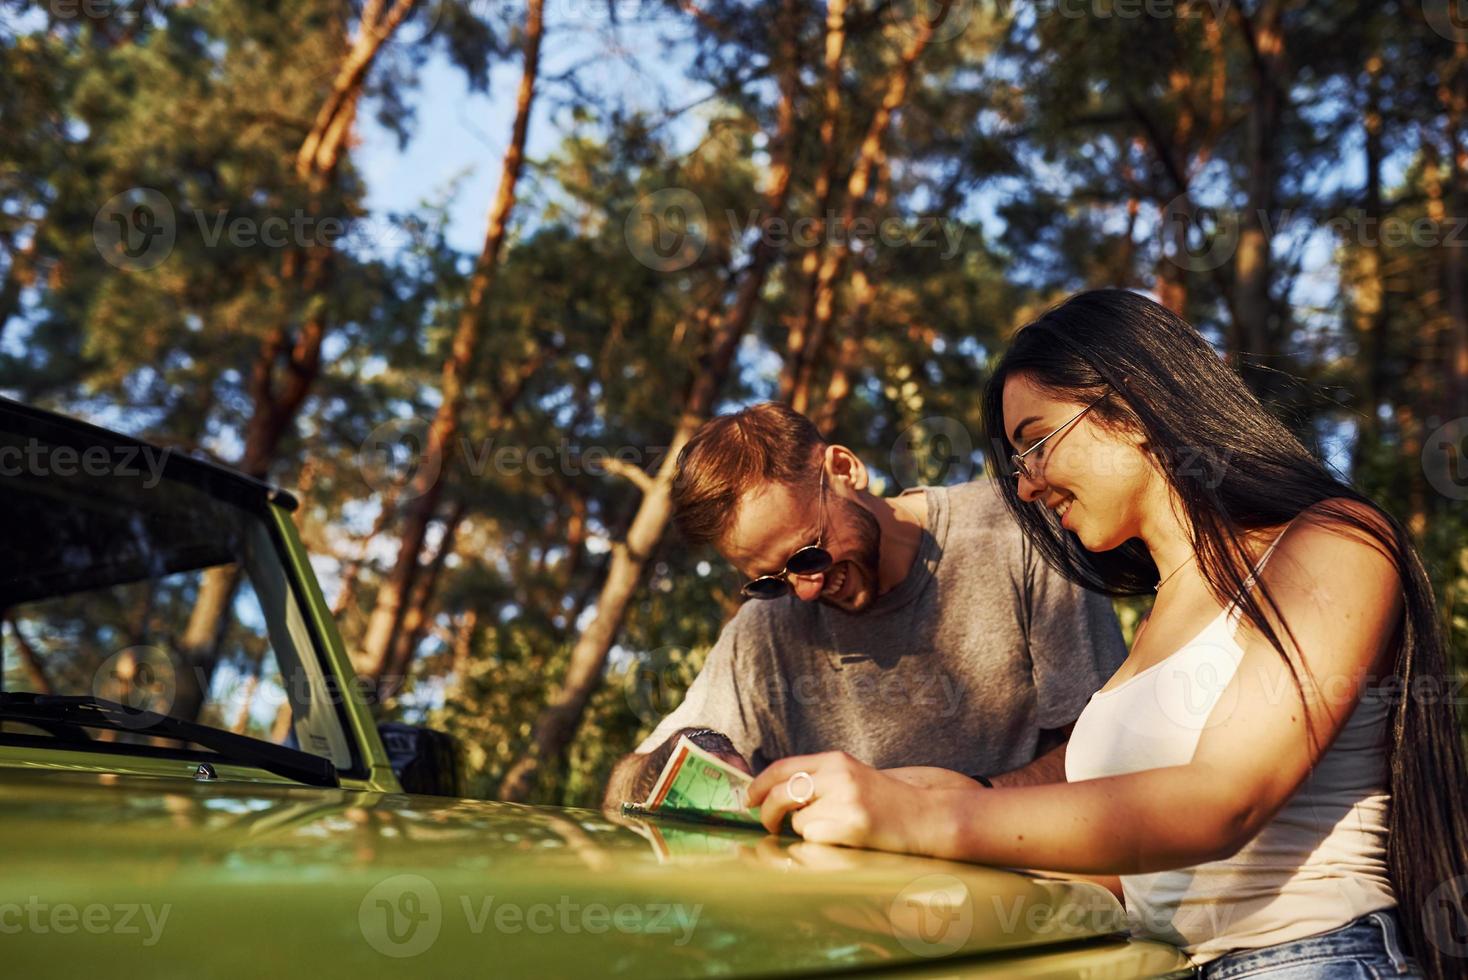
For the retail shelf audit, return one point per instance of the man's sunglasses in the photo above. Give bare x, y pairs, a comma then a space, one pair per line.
810, 560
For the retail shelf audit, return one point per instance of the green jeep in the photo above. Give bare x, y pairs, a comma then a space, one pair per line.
193, 786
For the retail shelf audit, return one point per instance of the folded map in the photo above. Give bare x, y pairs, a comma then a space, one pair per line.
697, 785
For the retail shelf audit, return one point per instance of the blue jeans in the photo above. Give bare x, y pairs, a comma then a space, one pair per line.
1363, 949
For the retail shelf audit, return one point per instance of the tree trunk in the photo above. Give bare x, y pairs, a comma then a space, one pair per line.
1432, 396
347, 592
864, 296
242, 714
201, 640
276, 402
35, 670
576, 532
415, 620
1253, 334
799, 329
1454, 96
316, 164
464, 646
316, 161
558, 720
1172, 277
836, 255
562, 712
427, 489
280, 728
848, 358
1409, 429
1368, 292
1182, 152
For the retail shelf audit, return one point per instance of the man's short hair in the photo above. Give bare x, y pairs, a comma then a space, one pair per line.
730, 455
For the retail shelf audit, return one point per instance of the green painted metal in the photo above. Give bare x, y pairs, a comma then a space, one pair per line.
379, 774
129, 865
165, 876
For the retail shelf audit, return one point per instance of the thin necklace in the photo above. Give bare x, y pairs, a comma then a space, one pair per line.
1159, 585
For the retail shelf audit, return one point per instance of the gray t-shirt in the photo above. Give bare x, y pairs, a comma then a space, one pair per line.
961, 665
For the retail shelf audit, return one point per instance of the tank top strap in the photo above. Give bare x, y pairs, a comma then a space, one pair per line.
1232, 612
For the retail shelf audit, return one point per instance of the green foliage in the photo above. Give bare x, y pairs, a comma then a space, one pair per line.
1033, 156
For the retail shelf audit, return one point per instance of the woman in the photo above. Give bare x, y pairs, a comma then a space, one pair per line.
1275, 768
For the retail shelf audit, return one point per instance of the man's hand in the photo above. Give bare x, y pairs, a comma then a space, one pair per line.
1048, 767
720, 746
931, 777
633, 777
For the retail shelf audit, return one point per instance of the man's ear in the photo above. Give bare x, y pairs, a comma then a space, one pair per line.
844, 466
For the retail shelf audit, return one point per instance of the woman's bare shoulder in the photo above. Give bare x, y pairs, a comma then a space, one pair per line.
1354, 523
1341, 540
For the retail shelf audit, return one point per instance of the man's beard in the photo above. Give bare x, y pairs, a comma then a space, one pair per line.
866, 554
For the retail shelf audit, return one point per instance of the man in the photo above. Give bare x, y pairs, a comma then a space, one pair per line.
913, 631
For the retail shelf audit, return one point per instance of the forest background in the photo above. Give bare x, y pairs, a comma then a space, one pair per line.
463, 275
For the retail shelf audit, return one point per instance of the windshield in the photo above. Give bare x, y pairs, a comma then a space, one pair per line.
123, 583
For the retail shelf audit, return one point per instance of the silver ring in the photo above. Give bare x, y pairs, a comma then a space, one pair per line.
808, 795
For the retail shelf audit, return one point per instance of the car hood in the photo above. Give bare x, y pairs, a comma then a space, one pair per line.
134, 873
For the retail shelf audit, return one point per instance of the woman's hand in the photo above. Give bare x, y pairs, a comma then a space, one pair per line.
848, 802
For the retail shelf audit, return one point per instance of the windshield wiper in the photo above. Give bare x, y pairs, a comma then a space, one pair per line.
93, 712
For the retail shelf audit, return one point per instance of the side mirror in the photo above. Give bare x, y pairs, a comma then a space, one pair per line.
424, 760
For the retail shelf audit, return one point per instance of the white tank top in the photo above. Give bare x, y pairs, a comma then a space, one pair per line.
1321, 861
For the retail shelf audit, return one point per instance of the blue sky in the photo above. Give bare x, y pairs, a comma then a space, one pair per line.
458, 137
461, 135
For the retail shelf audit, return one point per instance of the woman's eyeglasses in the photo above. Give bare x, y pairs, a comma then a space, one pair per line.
810, 560
1022, 469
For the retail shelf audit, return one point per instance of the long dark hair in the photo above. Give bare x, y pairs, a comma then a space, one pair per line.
1236, 469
